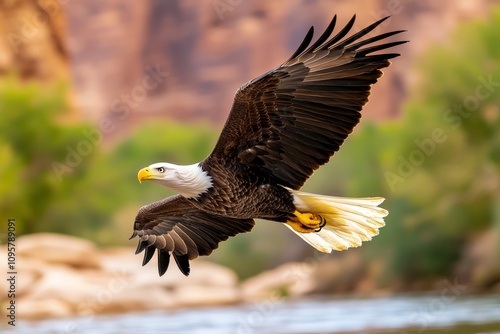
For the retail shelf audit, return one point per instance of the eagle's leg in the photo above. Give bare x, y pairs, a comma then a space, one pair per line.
306, 222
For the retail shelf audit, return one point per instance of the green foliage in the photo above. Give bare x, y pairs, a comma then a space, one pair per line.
30, 141
454, 189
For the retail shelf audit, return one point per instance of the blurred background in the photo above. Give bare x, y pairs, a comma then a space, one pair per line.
92, 91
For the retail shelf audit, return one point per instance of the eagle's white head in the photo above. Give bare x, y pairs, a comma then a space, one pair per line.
190, 181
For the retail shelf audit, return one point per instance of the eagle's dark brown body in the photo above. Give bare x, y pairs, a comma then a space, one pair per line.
229, 195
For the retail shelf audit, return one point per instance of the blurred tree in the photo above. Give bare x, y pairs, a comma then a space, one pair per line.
31, 141
459, 182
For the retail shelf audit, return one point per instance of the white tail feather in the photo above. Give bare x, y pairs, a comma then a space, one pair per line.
349, 221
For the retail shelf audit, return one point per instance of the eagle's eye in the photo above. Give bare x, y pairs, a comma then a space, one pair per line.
160, 169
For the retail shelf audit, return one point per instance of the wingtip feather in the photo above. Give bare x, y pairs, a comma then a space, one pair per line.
150, 251
163, 261
183, 263
143, 244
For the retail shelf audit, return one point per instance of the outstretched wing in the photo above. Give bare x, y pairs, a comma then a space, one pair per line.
286, 123
174, 226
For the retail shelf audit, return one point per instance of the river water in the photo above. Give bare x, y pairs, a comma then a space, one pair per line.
444, 313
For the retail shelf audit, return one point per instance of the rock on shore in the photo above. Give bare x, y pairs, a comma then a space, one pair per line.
60, 276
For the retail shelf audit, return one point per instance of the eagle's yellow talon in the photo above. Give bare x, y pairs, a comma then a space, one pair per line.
299, 227
306, 222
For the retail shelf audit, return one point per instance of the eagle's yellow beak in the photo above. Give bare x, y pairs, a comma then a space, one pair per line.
144, 174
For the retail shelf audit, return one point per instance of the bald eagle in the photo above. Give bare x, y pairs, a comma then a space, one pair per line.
283, 125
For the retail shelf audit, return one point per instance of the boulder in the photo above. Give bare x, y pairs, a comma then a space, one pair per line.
67, 276
201, 295
120, 259
29, 272
131, 299
324, 274
31, 309
74, 287
211, 274
208, 283
479, 267
58, 249
289, 279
